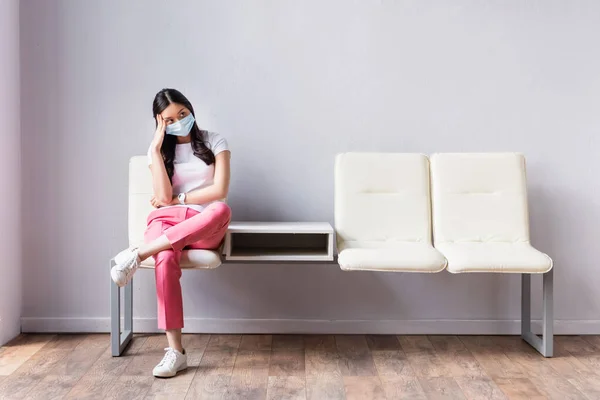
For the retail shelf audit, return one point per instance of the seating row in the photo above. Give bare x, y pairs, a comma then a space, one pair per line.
394, 212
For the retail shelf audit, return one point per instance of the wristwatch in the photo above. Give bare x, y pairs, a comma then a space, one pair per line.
181, 198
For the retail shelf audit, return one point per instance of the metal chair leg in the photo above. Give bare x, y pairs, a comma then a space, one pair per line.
119, 340
544, 345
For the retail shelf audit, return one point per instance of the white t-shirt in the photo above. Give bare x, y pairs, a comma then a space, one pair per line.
190, 172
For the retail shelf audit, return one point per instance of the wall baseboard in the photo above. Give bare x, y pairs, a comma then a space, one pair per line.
313, 326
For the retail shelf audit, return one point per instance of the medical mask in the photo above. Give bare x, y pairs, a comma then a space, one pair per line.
181, 127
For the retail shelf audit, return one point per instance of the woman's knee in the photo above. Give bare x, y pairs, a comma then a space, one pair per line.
221, 209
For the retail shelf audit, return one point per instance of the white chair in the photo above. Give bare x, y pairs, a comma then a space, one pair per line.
481, 224
383, 213
140, 193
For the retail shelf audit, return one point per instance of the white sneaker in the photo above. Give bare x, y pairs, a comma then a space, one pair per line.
171, 364
126, 262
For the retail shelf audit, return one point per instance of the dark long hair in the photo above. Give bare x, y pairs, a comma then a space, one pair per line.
162, 100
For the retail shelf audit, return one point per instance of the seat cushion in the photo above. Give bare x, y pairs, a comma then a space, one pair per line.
399, 257
494, 257
193, 259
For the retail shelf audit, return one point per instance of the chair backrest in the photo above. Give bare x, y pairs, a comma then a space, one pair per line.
381, 199
140, 193
479, 197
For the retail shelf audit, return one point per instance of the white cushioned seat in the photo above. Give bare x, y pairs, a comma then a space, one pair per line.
480, 215
140, 193
382, 213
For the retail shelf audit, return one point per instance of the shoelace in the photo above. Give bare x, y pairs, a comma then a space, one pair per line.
170, 357
128, 266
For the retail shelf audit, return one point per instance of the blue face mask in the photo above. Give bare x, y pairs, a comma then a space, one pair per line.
181, 127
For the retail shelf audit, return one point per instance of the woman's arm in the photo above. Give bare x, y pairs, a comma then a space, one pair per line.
163, 190
220, 187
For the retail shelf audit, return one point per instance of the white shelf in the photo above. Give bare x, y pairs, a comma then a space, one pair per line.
279, 241
280, 227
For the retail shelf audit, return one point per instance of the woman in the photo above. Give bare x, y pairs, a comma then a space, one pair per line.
190, 176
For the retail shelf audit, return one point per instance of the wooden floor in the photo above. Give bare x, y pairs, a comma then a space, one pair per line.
302, 367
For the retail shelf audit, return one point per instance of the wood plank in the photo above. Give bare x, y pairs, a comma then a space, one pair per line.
588, 384
519, 388
328, 386
91, 387
556, 387
402, 387
53, 387
355, 358
250, 375
540, 372
256, 342
95, 340
208, 387
224, 342
456, 357
42, 363
319, 342
356, 364
194, 341
194, 357
351, 344
130, 387
142, 365
322, 363
480, 388
254, 364
79, 360
18, 385
383, 342
441, 388
177, 396
288, 342
106, 364
155, 344
65, 341
594, 340
217, 362
63, 368
422, 357
392, 363
576, 345
286, 388
17, 351
566, 364
242, 388
491, 357
287, 362
363, 387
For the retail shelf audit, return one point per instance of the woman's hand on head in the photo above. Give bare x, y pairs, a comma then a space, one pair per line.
159, 135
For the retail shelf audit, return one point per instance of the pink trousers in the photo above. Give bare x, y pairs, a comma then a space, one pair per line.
185, 228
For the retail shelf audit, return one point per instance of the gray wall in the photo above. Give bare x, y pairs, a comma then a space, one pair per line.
10, 179
290, 84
